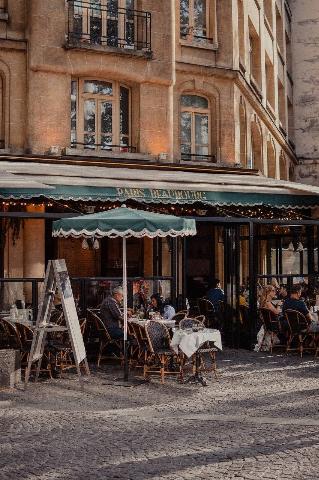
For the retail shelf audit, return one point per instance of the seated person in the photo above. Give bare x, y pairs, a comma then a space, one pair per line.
267, 295
283, 293
215, 294
111, 314
164, 308
294, 302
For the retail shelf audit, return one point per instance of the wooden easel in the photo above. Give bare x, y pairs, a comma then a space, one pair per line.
57, 281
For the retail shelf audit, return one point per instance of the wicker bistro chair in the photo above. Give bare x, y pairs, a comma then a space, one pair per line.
139, 334
26, 336
298, 332
11, 337
179, 316
160, 358
271, 326
207, 309
190, 323
106, 341
208, 349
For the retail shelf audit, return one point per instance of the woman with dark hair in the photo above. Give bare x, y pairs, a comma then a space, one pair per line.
164, 308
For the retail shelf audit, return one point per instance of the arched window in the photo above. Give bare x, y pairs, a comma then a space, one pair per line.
100, 115
283, 167
243, 133
2, 129
271, 159
256, 147
195, 128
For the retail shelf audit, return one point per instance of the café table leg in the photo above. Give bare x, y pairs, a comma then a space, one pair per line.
197, 377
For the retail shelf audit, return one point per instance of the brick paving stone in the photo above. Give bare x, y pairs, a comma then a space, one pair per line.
258, 421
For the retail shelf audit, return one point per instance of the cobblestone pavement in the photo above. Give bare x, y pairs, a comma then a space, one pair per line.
260, 420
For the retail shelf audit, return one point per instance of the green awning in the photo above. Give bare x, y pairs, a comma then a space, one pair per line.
163, 196
124, 222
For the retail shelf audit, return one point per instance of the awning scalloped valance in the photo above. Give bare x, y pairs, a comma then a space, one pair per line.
163, 196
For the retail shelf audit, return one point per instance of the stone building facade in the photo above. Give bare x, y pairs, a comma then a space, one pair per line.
194, 83
305, 21
224, 65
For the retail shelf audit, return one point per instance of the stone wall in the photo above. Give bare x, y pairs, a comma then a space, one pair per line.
305, 51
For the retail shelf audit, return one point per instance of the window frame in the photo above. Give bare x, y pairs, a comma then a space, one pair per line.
196, 111
191, 22
99, 98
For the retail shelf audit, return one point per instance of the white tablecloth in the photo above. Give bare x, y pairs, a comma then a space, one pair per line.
167, 323
189, 342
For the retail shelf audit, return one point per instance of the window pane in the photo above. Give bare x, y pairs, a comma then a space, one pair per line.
89, 116
112, 8
112, 33
106, 142
89, 141
130, 4
106, 117
194, 101
184, 17
186, 149
186, 127
201, 150
124, 111
200, 18
77, 19
201, 129
73, 110
94, 86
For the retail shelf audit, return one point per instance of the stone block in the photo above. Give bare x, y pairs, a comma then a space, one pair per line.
10, 368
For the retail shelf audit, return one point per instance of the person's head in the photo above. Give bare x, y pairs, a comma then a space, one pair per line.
267, 294
117, 294
295, 292
156, 301
216, 283
283, 290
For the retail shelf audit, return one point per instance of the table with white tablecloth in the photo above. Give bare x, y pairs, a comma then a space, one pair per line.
142, 322
189, 341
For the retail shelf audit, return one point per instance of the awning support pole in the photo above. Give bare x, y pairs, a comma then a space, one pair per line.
125, 310
253, 262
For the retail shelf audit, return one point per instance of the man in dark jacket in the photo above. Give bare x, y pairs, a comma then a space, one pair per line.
111, 314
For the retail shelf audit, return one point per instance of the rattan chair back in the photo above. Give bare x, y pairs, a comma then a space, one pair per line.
179, 316
269, 320
190, 323
99, 325
11, 333
157, 335
297, 322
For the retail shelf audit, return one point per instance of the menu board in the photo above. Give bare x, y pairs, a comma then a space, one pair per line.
57, 281
69, 309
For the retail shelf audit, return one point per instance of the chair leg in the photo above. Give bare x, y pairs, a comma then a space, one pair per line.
100, 354
162, 370
301, 345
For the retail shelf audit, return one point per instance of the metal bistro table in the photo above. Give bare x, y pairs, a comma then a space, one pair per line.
189, 342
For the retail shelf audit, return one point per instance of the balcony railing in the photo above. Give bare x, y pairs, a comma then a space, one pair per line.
189, 157
104, 148
93, 24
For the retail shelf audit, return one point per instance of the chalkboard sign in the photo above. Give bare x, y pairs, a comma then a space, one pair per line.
69, 309
57, 281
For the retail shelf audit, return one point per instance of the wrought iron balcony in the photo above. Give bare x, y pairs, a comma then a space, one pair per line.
104, 148
104, 24
190, 157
